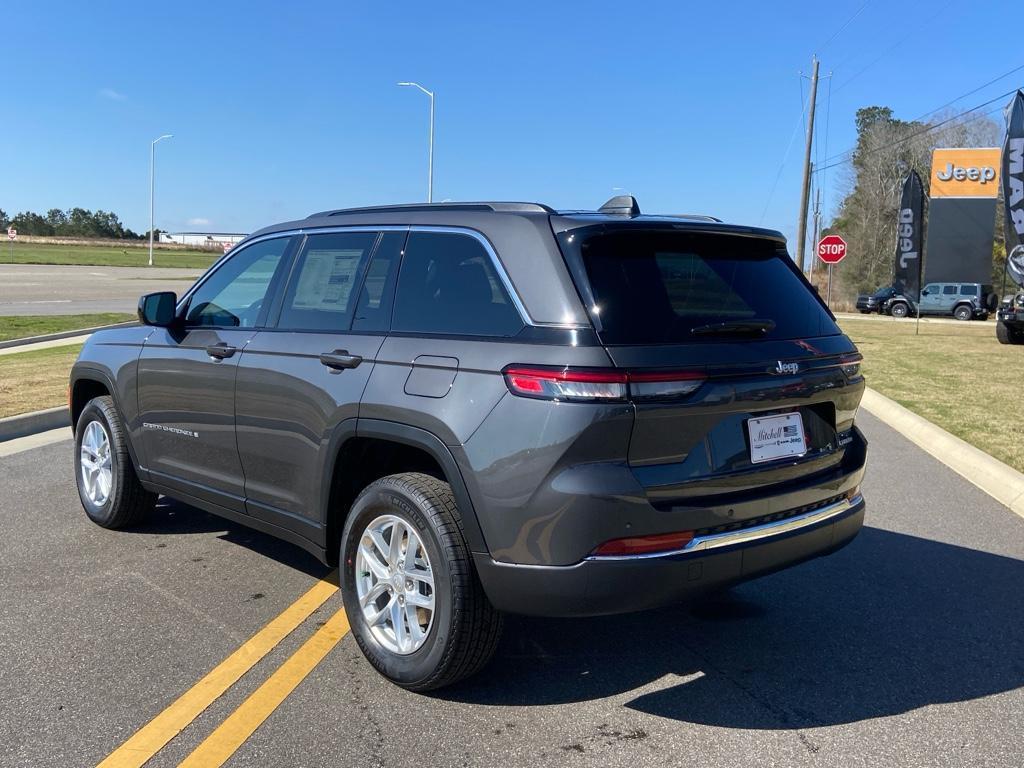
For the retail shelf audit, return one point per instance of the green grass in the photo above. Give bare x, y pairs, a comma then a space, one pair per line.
32, 381
955, 375
37, 325
103, 255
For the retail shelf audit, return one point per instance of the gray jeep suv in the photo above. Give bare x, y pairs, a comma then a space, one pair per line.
485, 408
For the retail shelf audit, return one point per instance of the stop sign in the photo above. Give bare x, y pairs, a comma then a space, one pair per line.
831, 249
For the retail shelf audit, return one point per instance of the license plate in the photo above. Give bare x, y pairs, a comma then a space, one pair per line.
776, 437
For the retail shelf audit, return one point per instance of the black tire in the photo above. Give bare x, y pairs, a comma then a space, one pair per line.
963, 312
127, 502
865, 311
899, 309
465, 628
1002, 333
1007, 335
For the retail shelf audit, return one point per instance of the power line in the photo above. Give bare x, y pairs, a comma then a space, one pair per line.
930, 128
789, 146
886, 52
971, 93
828, 120
848, 153
845, 25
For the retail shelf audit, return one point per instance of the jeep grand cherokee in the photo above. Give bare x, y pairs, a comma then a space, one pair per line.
479, 408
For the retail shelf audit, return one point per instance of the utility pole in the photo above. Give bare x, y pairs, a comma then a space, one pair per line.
801, 225
817, 226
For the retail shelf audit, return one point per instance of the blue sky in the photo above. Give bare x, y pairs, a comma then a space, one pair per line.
278, 112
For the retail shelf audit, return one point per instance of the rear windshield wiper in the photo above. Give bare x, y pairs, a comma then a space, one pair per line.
751, 327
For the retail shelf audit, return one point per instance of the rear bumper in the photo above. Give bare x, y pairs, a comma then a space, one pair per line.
599, 586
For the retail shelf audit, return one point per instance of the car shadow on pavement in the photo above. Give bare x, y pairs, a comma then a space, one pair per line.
889, 624
176, 518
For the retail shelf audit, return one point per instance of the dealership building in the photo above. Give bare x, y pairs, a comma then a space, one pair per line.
202, 239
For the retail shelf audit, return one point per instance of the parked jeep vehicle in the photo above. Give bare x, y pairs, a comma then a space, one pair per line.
964, 301
478, 408
1010, 320
869, 303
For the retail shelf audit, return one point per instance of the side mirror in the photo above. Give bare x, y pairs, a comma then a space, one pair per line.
157, 309
924, 293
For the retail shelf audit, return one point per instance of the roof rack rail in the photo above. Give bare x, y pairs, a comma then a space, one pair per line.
697, 216
496, 207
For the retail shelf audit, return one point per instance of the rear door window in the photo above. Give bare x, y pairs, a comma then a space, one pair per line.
657, 287
949, 290
449, 285
320, 294
373, 311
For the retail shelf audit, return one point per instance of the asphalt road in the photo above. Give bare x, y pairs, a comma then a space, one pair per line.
37, 289
904, 649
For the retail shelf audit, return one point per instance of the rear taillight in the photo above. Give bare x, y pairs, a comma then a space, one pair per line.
645, 385
575, 384
850, 364
644, 545
598, 384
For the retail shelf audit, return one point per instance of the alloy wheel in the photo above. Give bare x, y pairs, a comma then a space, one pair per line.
96, 464
395, 584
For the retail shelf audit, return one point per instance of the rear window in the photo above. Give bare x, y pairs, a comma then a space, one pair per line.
653, 287
968, 290
448, 285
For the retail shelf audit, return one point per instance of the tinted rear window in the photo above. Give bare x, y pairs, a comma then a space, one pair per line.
657, 287
448, 285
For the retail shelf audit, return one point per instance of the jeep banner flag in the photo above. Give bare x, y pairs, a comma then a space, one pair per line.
1013, 188
909, 237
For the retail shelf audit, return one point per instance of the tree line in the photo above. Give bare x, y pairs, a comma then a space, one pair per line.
74, 222
887, 149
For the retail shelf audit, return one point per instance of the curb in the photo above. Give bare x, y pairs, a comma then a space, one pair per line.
62, 335
1003, 483
26, 424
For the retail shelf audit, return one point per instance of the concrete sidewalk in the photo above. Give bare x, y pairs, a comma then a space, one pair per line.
45, 344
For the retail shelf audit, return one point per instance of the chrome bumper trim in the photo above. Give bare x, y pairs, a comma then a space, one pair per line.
749, 535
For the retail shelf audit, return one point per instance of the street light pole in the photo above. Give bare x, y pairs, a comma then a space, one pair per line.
430, 160
152, 186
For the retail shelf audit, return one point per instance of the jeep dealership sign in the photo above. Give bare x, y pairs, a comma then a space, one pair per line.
910, 237
1013, 187
965, 172
963, 189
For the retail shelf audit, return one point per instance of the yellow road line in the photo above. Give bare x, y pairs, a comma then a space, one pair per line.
152, 737
240, 724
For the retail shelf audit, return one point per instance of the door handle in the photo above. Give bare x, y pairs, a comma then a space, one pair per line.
220, 350
340, 359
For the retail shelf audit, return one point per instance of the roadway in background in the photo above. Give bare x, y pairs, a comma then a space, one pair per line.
40, 289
